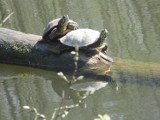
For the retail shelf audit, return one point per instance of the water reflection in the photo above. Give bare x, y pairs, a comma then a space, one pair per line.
78, 91
26, 86
31, 88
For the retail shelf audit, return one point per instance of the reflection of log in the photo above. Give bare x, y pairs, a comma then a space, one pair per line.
23, 49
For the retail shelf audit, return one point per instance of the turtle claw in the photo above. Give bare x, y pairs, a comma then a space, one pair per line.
107, 71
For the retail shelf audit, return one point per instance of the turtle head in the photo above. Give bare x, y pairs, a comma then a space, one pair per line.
63, 22
103, 34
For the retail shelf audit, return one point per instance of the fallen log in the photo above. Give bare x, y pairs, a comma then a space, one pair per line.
24, 49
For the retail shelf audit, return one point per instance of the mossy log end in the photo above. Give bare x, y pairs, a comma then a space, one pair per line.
24, 49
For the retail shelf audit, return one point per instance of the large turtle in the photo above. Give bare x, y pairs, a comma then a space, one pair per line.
58, 28
87, 39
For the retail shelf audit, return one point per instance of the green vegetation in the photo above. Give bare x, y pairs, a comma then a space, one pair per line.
57, 114
17, 49
76, 58
20, 48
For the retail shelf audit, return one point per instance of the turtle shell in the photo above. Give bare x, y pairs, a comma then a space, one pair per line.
53, 24
80, 37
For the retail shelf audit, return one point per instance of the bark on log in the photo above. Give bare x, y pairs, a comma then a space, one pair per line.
23, 49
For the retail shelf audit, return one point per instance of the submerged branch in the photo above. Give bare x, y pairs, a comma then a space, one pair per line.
6, 19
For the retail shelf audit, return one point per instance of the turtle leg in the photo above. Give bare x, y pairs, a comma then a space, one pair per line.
92, 50
106, 72
103, 48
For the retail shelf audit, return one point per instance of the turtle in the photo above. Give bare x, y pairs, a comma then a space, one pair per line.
58, 28
86, 39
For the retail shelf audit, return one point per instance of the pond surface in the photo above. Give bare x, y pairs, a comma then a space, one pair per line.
134, 44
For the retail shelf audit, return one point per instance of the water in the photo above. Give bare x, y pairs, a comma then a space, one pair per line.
133, 43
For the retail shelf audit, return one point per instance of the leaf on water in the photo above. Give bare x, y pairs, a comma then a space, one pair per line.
42, 116
26, 107
103, 117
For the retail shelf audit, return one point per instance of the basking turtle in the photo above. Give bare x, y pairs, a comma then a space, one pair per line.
58, 28
87, 39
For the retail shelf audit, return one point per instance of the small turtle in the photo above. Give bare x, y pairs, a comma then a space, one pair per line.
87, 39
58, 28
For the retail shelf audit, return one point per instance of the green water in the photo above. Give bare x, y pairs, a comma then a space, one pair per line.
134, 43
